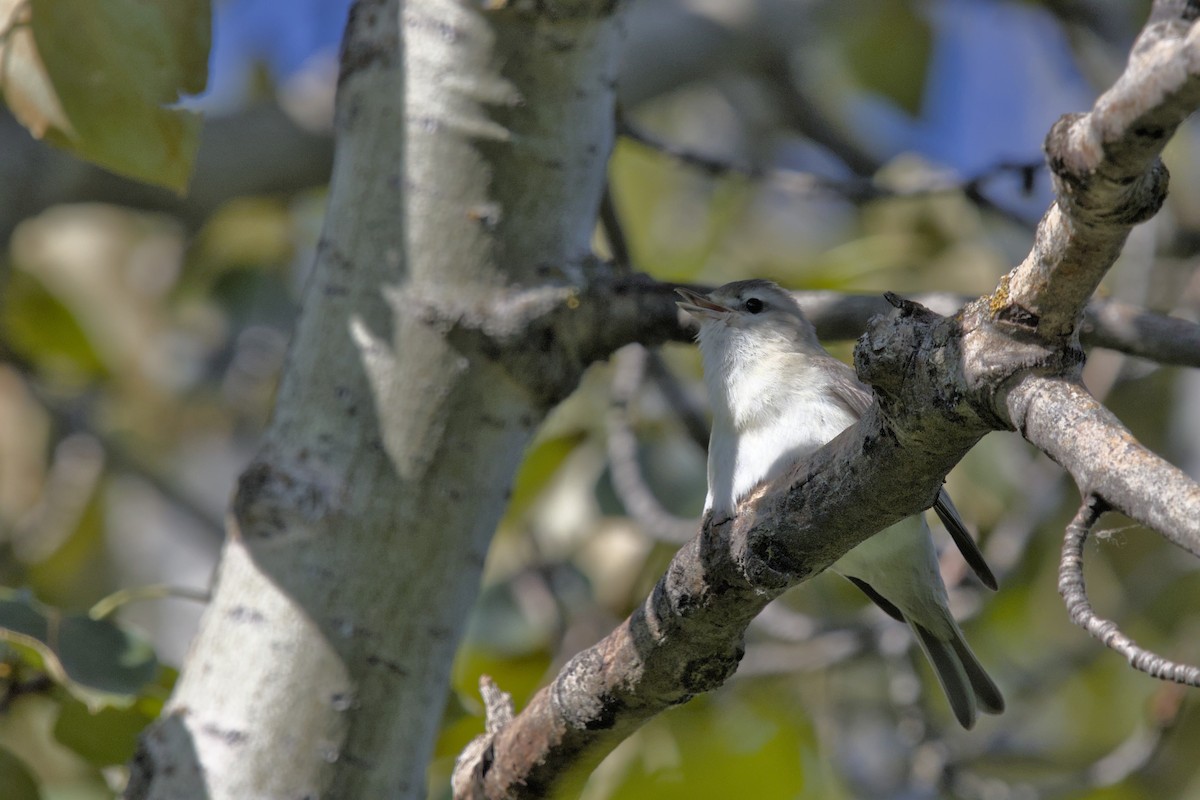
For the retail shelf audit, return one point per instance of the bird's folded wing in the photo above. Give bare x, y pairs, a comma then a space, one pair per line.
857, 399
846, 389
948, 514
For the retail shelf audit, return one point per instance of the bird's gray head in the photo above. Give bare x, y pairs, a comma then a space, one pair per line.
754, 315
758, 350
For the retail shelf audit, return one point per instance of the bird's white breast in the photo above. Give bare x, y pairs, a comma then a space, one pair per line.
769, 421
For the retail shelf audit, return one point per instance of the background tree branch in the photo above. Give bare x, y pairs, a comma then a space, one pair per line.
259, 150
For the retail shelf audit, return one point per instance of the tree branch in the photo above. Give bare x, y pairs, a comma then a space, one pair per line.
1107, 175
1074, 594
1059, 417
1110, 324
624, 466
1128, 329
687, 637
471, 149
858, 190
940, 384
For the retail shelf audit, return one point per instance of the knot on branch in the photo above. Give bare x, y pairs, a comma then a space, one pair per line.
913, 359
527, 331
1002, 340
884, 354
281, 496
1096, 189
475, 761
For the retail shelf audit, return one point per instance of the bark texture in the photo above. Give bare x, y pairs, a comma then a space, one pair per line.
471, 148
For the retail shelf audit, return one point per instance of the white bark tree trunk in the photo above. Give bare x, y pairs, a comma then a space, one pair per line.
471, 150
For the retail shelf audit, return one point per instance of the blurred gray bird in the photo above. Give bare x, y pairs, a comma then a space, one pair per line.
776, 397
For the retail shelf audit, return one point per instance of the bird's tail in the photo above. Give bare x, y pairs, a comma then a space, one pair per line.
966, 683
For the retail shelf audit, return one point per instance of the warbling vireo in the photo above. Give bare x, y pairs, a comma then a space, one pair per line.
777, 396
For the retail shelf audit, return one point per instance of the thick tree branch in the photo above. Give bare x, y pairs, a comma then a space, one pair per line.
1074, 593
687, 636
1059, 417
471, 146
1107, 175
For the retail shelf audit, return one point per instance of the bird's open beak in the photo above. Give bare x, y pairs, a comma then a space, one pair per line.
700, 306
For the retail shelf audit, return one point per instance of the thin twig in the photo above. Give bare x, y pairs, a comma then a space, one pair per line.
691, 413
856, 190
610, 223
1074, 594
618, 244
157, 591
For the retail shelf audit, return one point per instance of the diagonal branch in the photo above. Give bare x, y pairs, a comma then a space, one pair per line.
1060, 418
1074, 594
687, 637
1108, 176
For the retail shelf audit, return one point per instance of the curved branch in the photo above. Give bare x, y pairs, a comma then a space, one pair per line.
1074, 594
859, 190
627, 478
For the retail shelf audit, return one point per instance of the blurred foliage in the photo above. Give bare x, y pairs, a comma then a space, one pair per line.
898, 29
138, 363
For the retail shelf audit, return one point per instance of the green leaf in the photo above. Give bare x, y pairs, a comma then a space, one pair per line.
107, 737
539, 466
116, 65
98, 661
104, 657
42, 329
19, 614
15, 778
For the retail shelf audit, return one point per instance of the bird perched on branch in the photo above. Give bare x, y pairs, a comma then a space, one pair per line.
776, 397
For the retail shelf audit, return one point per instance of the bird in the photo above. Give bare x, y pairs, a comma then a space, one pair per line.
777, 395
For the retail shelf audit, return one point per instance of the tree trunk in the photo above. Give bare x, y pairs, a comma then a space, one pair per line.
471, 150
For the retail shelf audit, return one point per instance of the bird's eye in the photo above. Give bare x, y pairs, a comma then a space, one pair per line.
754, 305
